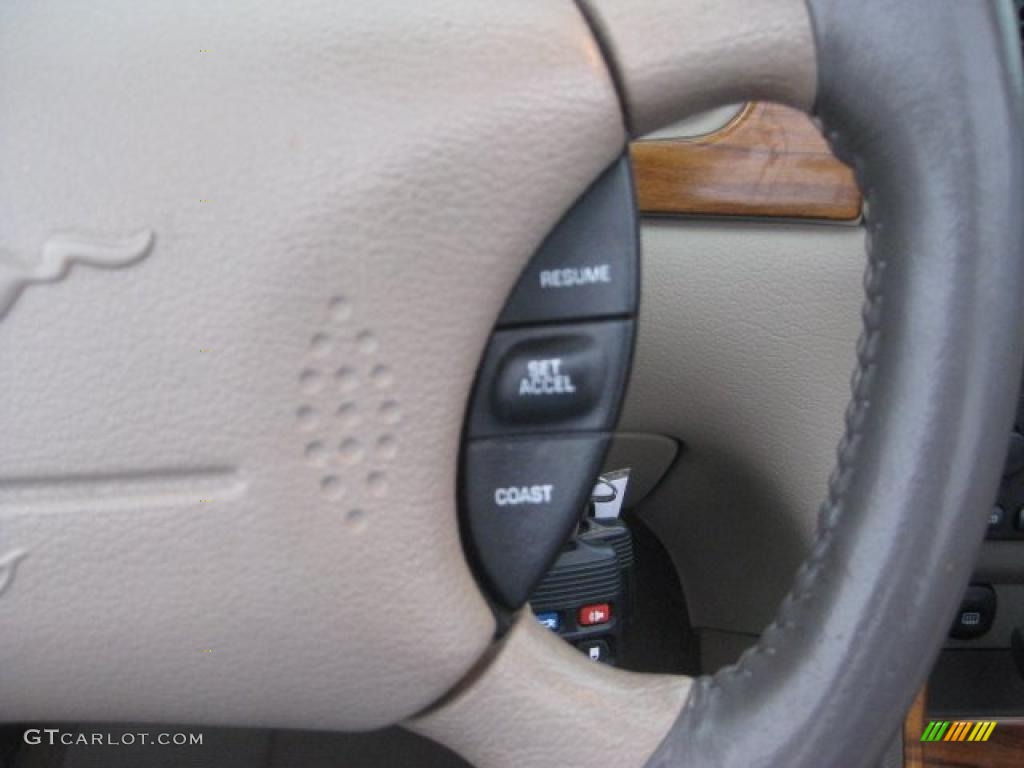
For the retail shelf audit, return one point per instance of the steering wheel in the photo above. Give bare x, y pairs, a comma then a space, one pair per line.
252, 257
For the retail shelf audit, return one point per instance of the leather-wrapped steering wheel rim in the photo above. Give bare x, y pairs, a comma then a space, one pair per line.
937, 371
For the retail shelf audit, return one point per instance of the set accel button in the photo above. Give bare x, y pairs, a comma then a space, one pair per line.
552, 379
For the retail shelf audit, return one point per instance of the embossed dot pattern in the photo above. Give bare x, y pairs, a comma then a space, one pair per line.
347, 378
366, 343
387, 447
320, 345
316, 453
350, 450
356, 519
312, 382
382, 377
377, 484
390, 413
346, 414
307, 418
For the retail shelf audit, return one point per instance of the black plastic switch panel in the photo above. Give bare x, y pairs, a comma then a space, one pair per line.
1017, 649
552, 379
976, 613
1006, 520
522, 499
1014, 454
587, 267
548, 391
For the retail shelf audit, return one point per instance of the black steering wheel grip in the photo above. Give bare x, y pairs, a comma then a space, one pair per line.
923, 100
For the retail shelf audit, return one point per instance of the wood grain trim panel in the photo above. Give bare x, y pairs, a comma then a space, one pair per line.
913, 727
770, 160
1004, 748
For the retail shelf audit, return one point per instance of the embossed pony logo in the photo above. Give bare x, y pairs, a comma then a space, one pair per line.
57, 255
8, 564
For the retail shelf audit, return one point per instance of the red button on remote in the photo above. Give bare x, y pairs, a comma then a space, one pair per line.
598, 613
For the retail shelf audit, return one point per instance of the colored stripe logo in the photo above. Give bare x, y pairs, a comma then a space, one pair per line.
958, 730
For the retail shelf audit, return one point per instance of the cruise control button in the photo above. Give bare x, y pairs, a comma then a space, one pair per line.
549, 378
565, 378
523, 497
587, 267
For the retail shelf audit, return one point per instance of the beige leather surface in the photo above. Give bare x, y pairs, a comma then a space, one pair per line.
700, 124
675, 57
228, 466
744, 352
542, 702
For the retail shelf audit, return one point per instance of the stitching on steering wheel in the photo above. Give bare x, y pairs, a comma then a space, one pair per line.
705, 688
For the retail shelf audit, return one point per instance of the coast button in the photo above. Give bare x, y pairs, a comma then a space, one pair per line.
587, 267
523, 497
